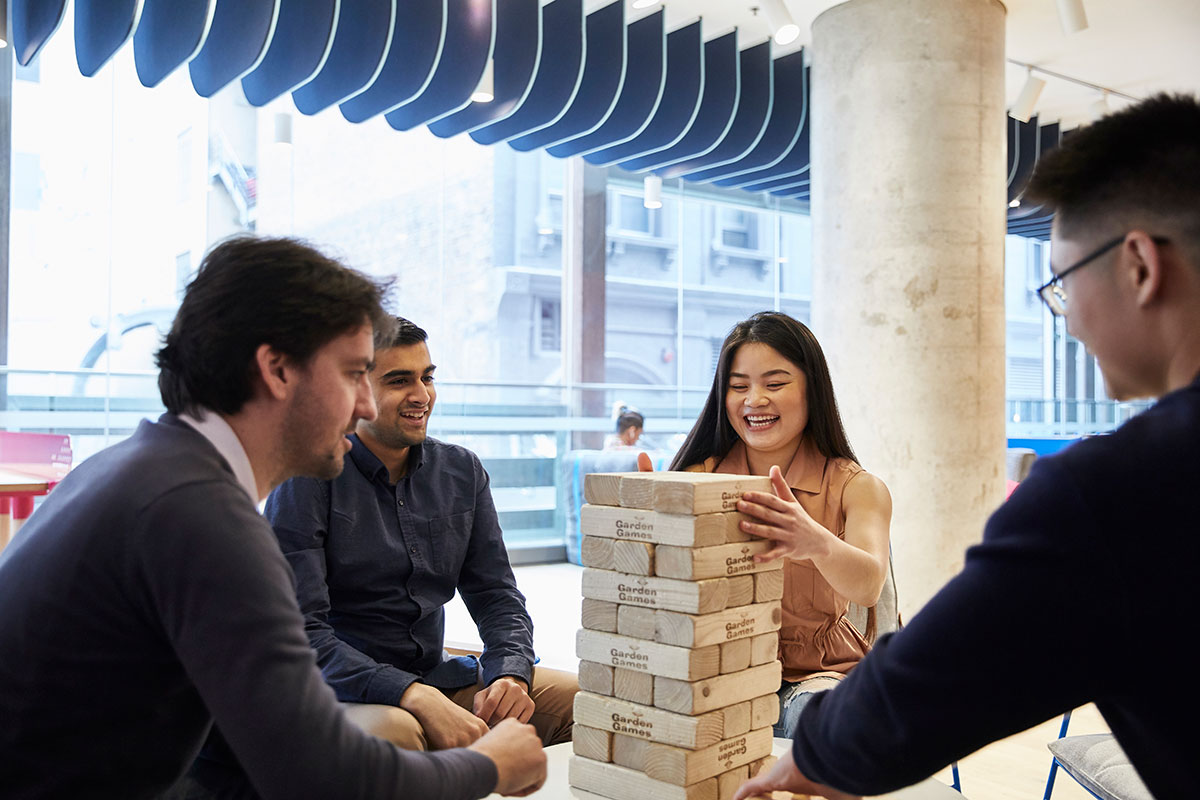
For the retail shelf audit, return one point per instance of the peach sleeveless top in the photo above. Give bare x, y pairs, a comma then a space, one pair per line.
816, 636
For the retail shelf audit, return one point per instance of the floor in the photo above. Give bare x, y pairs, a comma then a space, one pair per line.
1011, 769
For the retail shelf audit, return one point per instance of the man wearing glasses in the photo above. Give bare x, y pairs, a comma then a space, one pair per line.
1063, 602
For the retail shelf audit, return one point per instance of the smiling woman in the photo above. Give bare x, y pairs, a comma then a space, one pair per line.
772, 411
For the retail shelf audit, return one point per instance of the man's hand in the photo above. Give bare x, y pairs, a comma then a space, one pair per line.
506, 698
446, 724
517, 752
784, 776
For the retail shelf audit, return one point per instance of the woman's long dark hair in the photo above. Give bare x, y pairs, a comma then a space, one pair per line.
713, 435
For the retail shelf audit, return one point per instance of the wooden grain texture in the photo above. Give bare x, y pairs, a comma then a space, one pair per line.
599, 615
649, 723
719, 561
595, 551
764, 710
634, 686
629, 752
697, 697
687, 492
691, 597
633, 558
729, 782
597, 678
768, 585
638, 655
736, 719
683, 767
699, 630
654, 527
764, 648
735, 656
591, 743
603, 488
638, 622
620, 783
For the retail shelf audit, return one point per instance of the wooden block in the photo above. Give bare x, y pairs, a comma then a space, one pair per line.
723, 560
764, 648
685, 767
735, 656
697, 697
636, 621
597, 678
620, 783
630, 752
765, 763
687, 492
603, 488
682, 530
688, 664
764, 711
633, 558
591, 742
698, 630
736, 719
634, 686
597, 552
741, 590
729, 782
768, 585
649, 723
599, 615
690, 597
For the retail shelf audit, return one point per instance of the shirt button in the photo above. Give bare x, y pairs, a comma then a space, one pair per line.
400, 502
413, 549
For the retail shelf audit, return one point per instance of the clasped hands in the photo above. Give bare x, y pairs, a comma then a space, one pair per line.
447, 725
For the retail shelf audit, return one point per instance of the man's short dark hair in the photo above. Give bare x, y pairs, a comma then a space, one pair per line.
251, 291
401, 334
1135, 167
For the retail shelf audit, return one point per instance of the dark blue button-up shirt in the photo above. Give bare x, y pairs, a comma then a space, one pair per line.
376, 562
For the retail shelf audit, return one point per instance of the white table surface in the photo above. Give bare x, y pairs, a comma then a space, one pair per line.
559, 755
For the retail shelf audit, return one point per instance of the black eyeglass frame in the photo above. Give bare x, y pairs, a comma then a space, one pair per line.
1051, 289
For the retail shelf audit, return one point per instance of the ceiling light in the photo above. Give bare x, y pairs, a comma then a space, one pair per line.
652, 192
783, 28
283, 129
1022, 110
1072, 16
485, 91
1100, 107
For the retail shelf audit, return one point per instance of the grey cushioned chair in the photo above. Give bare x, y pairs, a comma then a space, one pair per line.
1097, 762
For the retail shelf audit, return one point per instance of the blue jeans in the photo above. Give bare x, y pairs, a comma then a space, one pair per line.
793, 697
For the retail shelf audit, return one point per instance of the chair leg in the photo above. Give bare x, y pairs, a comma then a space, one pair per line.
956, 785
1054, 761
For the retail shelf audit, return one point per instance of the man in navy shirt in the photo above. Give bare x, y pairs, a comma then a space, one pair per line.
1063, 602
379, 550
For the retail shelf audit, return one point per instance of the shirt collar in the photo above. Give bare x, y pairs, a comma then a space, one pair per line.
370, 466
804, 474
213, 427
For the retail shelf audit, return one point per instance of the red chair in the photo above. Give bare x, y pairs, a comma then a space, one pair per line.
30, 465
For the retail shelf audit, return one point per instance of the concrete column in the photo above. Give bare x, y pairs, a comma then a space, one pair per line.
584, 263
908, 262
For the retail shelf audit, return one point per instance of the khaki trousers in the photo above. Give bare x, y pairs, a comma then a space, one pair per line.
553, 694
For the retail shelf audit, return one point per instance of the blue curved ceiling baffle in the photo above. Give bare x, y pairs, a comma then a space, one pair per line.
1045, 139
749, 122
787, 115
102, 27
169, 34
241, 31
681, 100
556, 81
1022, 154
360, 46
792, 166
514, 63
641, 91
717, 105
801, 188
603, 73
417, 47
33, 23
470, 37
302, 40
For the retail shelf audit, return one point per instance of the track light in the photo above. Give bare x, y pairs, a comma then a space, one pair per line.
783, 28
485, 91
1100, 107
1072, 16
1022, 110
652, 192
283, 129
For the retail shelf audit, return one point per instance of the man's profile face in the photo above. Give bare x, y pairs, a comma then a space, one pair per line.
334, 394
402, 383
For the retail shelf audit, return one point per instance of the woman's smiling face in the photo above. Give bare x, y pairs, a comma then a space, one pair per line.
766, 400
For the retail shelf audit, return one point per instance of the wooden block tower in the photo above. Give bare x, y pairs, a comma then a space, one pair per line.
679, 647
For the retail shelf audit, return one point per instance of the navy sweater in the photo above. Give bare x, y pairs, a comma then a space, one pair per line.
146, 599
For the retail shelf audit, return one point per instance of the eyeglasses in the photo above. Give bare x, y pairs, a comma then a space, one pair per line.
1052, 292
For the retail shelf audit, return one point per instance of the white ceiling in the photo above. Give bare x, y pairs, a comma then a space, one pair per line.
1137, 47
